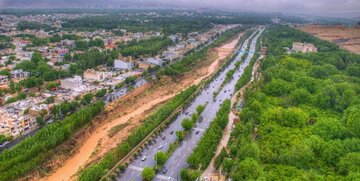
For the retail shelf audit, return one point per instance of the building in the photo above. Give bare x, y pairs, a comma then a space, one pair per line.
121, 64
93, 75
3, 79
155, 61
17, 74
170, 55
15, 124
303, 47
263, 50
144, 65
71, 83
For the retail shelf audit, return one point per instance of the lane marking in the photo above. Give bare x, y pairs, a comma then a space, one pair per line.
135, 168
163, 177
199, 129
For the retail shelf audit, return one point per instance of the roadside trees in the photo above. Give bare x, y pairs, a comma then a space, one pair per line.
148, 174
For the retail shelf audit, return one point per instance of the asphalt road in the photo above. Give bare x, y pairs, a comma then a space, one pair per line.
177, 160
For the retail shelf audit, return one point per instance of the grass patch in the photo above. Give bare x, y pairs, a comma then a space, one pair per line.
116, 129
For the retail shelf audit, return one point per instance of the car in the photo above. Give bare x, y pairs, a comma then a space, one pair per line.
143, 158
163, 138
160, 147
197, 132
164, 170
171, 132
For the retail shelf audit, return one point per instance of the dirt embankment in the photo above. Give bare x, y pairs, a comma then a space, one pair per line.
346, 37
93, 142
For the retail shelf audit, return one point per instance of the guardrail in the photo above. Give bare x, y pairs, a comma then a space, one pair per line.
202, 84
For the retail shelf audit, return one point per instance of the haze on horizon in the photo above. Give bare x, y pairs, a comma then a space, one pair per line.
341, 8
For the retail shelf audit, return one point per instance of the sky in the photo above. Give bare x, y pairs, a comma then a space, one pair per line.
317, 7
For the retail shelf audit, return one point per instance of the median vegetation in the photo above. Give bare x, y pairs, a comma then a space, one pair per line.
246, 76
206, 148
99, 169
35, 150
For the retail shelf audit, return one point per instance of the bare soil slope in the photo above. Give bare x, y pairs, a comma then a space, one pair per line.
346, 37
93, 142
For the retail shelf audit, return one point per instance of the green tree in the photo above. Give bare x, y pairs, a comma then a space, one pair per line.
67, 57
130, 80
36, 57
349, 163
87, 98
187, 124
40, 121
189, 175
351, 119
219, 159
160, 158
180, 135
227, 165
250, 150
330, 128
248, 169
52, 85
200, 109
101, 93
148, 173
12, 57
55, 38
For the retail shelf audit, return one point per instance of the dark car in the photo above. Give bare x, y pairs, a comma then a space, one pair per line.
171, 132
163, 137
164, 170
197, 132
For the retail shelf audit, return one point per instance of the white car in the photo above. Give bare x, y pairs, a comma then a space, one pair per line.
160, 147
143, 158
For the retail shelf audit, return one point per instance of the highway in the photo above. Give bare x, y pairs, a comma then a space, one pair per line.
177, 160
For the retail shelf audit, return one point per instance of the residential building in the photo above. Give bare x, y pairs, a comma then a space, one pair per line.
263, 50
144, 65
3, 79
14, 124
71, 83
303, 47
91, 74
155, 61
17, 74
121, 64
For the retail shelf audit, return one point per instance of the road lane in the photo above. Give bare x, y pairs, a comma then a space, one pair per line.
177, 160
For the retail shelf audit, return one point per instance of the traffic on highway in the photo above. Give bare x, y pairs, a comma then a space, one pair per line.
177, 160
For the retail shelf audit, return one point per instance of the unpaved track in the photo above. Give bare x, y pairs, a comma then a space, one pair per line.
75, 162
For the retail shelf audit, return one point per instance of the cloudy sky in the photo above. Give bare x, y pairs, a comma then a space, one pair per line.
320, 7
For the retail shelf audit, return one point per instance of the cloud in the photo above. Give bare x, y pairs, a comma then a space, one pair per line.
289, 6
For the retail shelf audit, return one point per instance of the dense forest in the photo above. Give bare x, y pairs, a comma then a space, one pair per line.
31, 25
301, 120
149, 47
143, 24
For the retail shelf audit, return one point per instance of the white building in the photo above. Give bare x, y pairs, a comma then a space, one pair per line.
16, 74
120, 64
155, 61
71, 83
93, 75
